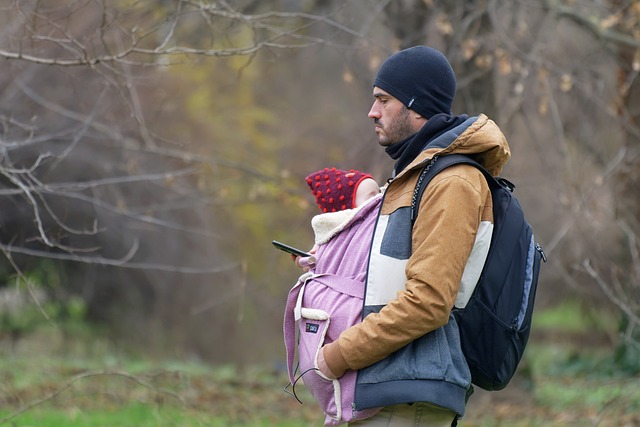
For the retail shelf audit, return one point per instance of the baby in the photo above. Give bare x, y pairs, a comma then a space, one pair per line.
341, 196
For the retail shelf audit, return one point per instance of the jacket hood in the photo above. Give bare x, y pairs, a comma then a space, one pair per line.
478, 137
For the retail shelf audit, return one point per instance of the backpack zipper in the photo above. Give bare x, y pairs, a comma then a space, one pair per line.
542, 255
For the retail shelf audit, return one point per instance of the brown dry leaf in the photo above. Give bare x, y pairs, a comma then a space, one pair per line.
543, 105
484, 61
374, 62
610, 21
543, 74
201, 183
469, 48
504, 62
443, 24
566, 82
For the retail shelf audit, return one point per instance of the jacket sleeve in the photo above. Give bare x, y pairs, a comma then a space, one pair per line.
451, 209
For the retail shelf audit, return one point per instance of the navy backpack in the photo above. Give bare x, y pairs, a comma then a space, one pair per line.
496, 322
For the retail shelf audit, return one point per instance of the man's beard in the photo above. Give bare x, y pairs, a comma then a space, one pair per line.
397, 130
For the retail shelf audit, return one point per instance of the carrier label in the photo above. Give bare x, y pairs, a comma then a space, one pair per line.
312, 327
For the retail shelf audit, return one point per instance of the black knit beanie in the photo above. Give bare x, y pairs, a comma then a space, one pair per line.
421, 78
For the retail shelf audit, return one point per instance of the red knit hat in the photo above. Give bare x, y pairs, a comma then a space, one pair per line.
335, 189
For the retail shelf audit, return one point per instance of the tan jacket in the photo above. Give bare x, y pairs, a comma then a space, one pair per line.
411, 295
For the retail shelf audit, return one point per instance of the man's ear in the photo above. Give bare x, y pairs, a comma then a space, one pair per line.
418, 117
415, 114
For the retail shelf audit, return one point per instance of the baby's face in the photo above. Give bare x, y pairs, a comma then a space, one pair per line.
366, 190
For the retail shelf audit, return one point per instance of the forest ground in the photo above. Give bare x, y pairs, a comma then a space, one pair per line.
567, 378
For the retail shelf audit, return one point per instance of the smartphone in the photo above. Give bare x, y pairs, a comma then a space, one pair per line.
290, 249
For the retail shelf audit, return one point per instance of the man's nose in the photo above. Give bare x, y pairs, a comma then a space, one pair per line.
374, 113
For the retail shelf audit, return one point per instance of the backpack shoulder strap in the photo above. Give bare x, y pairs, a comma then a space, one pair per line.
439, 163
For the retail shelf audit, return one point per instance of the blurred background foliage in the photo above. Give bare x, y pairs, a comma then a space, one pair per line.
150, 151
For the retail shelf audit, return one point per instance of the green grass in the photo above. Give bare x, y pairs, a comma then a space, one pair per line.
136, 414
572, 316
562, 382
54, 390
133, 415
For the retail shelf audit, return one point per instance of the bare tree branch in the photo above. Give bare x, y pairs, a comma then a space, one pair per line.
592, 25
620, 300
580, 204
282, 30
123, 262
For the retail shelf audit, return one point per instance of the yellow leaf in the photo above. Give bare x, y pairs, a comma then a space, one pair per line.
543, 106
347, 76
469, 48
566, 83
610, 21
443, 24
504, 62
484, 61
543, 74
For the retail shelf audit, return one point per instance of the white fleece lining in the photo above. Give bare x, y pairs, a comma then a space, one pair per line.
327, 225
313, 314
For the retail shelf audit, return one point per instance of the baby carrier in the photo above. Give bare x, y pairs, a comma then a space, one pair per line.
326, 301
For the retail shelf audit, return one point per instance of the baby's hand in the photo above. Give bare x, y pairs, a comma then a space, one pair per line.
306, 263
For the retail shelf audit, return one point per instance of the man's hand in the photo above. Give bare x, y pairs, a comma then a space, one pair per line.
322, 366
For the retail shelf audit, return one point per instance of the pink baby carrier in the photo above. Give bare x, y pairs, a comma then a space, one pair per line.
322, 306
323, 303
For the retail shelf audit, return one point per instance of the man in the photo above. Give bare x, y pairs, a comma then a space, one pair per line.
407, 348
